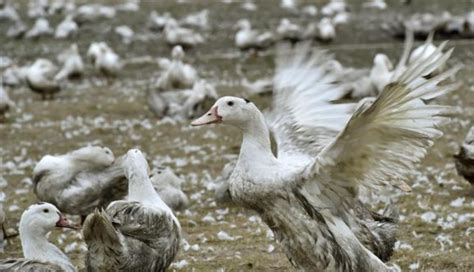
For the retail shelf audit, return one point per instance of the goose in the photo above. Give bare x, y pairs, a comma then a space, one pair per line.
40, 254
177, 35
381, 72
67, 28
125, 33
464, 159
324, 157
39, 78
140, 233
71, 60
5, 103
199, 20
80, 181
40, 28
168, 186
310, 10
287, 30
93, 12
14, 75
341, 18
248, 38
182, 104
375, 4
178, 75
333, 7
290, 5
325, 30
37, 8
9, 13
104, 59
158, 22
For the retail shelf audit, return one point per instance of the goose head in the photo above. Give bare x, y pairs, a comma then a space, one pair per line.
98, 156
164, 176
177, 53
39, 219
230, 110
135, 165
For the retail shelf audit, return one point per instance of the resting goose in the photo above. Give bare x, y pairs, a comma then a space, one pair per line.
137, 234
39, 77
305, 193
464, 159
17, 29
71, 60
178, 75
199, 20
40, 254
14, 75
67, 28
40, 28
168, 186
5, 102
248, 38
177, 35
80, 181
182, 104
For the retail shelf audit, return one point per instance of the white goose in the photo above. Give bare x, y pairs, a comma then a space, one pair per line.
5, 102
137, 234
39, 77
168, 186
287, 30
248, 38
178, 75
67, 28
40, 28
73, 66
40, 254
177, 35
104, 59
80, 181
305, 193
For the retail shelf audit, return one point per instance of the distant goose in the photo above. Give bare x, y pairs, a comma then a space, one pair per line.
248, 38
464, 159
158, 22
39, 77
93, 12
125, 33
17, 29
14, 75
40, 28
168, 186
5, 103
71, 60
137, 234
80, 181
178, 75
104, 59
40, 254
67, 28
326, 30
182, 104
177, 35
199, 20
287, 30
308, 190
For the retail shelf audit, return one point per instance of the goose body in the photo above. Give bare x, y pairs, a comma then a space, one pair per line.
72, 63
80, 181
168, 186
326, 30
248, 38
104, 59
67, 28
307, 192
199, 20
178, 75
177, 35
40, 28
39, 254
464, 159
137, 234
14, 75
39, 78
5, 103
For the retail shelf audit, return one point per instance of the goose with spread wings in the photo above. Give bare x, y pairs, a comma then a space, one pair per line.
307, 192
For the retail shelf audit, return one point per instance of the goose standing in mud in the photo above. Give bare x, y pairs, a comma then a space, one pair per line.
40, 254
80, 181
307, 192
140, 233
168, 186
39, 77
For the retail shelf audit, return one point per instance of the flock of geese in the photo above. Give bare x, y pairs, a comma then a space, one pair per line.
307, 192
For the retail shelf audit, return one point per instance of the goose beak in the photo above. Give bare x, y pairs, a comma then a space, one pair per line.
211, 117
64, 223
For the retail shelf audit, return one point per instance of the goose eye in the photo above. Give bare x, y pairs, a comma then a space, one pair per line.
230, 103
159, 172
46, 211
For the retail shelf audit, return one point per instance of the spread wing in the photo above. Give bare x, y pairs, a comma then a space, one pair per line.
383, 141
150, 226
304, 118
24, 265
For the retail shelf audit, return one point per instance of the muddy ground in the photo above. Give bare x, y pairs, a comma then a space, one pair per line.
115, 114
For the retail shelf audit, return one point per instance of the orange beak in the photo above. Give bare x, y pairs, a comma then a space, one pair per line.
211, 117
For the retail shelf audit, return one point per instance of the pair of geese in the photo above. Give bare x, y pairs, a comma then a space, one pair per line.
138, 233
307, 192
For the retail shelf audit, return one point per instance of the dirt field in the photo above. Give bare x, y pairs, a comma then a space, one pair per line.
116, 115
